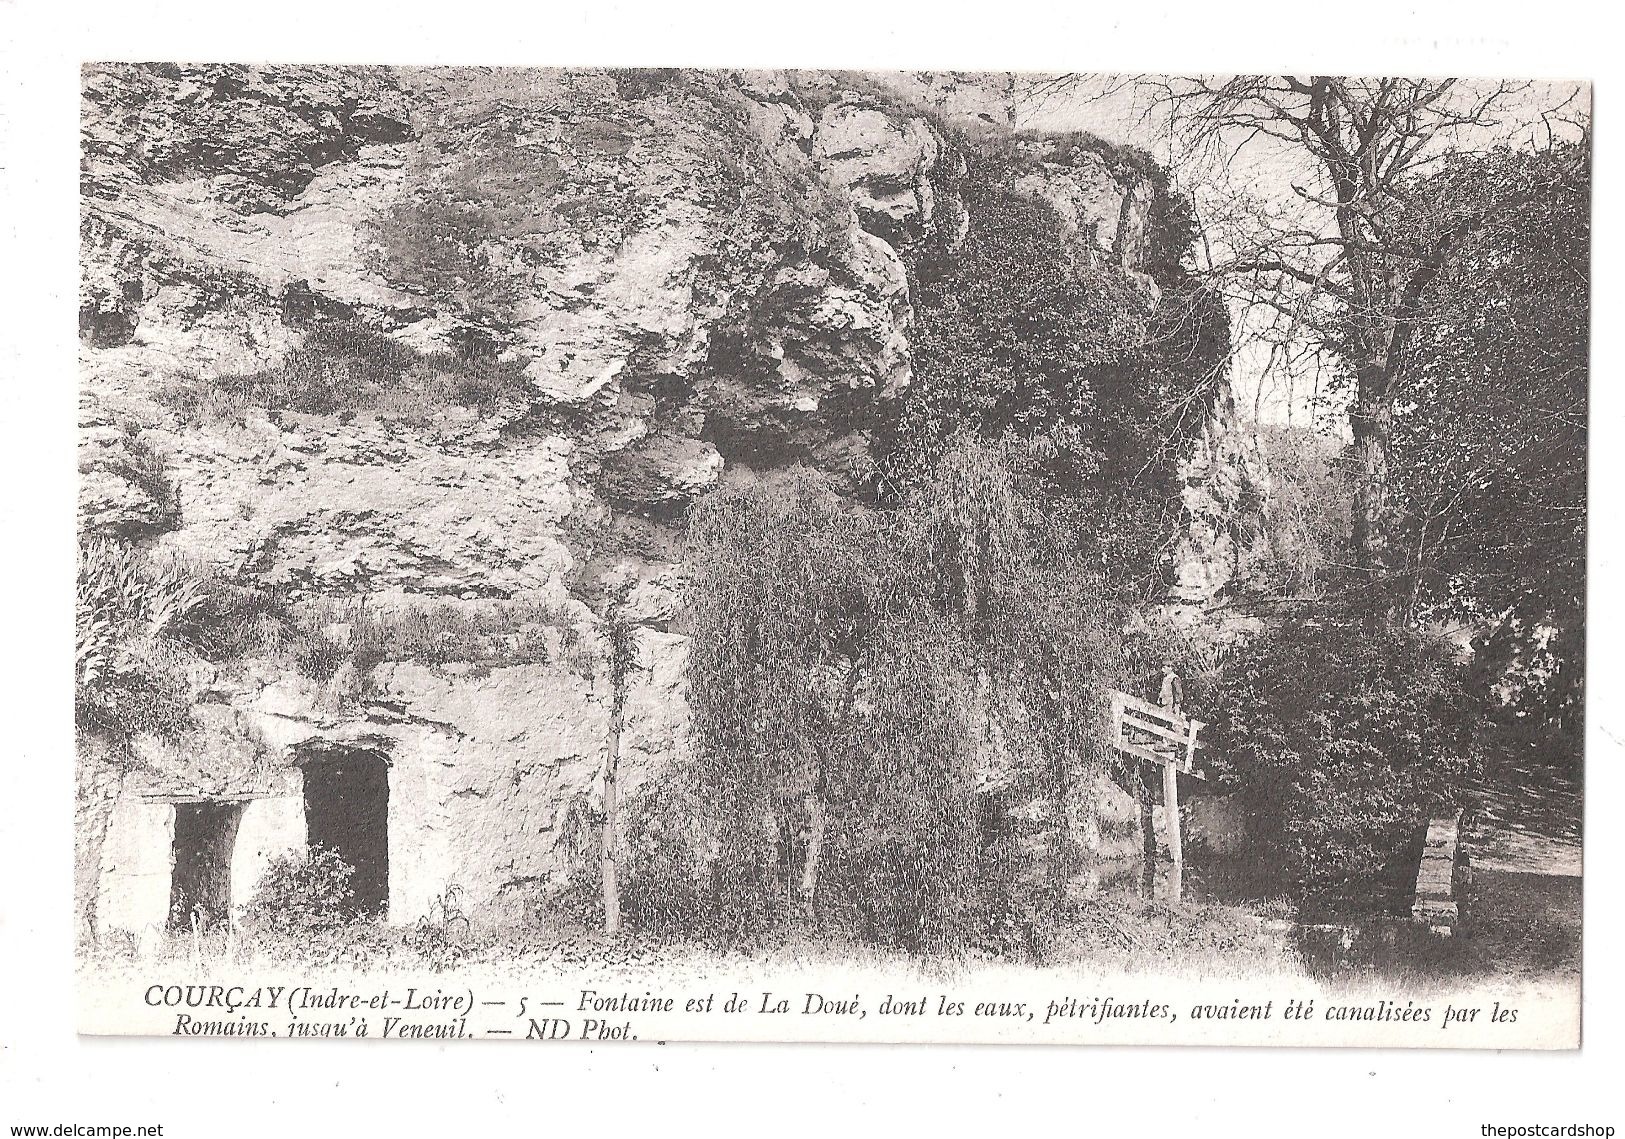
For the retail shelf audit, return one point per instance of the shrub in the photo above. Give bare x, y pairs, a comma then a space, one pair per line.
137, 461
1344, 741
642, 82
302, 894
321, 636
1010, 332
670, 881
234, 620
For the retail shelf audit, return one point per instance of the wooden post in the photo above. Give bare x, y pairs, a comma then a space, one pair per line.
1148, 832
1170, 810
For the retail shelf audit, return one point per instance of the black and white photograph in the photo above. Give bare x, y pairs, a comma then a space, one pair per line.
811, 569
915, 555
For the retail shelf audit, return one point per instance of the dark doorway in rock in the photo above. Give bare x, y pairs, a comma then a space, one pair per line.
347, 812
200, 883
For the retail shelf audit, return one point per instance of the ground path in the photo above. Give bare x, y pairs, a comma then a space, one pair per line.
1525, 847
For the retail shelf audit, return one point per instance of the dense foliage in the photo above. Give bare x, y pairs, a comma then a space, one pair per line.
1491, 441
128, 616
302, 894
1311, 494
1344, 742
853, 675
1021, 334
798, 597
1494, 433
897, 707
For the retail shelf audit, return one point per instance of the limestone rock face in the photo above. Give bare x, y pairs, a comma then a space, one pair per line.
882, 164
123, 489
185, 149
971, 96
704, 262
1222, 543
262, 131
371, 505
1104, 206
692, 271
495, 776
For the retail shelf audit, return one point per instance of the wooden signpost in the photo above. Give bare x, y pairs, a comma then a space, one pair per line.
1162, 736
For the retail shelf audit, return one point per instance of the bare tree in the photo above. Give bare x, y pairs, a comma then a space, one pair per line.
1335, 262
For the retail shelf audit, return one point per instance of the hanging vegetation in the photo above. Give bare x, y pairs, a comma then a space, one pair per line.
874, 693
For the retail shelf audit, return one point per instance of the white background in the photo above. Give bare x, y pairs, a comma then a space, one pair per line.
202, 1088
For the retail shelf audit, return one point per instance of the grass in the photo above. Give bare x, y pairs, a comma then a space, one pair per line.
1524, 925
343, 368
320, 636
142, 464
135, 460
1112, 935
1116, 937
507, 634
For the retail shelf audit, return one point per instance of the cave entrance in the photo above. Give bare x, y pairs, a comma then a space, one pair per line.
347, 812
200, 882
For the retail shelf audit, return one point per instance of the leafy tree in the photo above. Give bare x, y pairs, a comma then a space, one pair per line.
1492, 491
797, 596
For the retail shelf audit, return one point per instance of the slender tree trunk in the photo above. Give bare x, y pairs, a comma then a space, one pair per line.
817, 826
622, 655
610, 837
818, 808
612, 762
1371, 421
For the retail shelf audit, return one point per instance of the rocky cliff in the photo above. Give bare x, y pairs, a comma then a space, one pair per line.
661, 280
